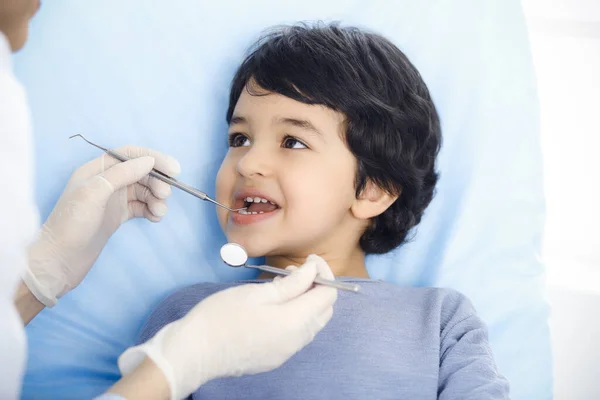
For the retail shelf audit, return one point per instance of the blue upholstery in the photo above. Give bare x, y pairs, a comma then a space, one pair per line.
157, 74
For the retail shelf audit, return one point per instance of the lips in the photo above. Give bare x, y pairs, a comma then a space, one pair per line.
259, 207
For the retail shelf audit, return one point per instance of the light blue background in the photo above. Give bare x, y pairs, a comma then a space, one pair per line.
157, 74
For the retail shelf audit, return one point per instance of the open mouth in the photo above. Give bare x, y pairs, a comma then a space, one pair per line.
257, 205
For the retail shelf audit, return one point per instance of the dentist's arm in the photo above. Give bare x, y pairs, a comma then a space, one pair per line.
99, 197
206, 344
146, 382
28, 306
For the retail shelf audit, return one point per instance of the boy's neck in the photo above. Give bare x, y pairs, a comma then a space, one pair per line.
349, 264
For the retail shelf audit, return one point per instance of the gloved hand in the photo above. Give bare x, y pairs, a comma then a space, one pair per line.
242, 330
99, 197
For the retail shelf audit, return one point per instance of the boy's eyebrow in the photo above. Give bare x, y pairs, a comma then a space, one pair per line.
237, 120
300, 123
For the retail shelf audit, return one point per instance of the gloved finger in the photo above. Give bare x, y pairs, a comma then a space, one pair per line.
160, 189
137, 209
290, 268
313, 303
138, 192
291, 286
164, 163
323, 269
120, 176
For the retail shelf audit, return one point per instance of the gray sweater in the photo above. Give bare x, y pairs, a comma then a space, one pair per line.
386, 342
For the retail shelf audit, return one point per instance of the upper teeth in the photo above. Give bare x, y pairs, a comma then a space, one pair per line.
257, 200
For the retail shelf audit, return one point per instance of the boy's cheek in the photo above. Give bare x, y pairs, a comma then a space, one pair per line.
224, 193
222, 217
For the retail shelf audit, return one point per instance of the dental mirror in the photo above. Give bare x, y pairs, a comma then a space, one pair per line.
236, 256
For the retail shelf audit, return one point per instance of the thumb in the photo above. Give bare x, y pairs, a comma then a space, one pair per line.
297, 283
323, 269
290, 268
122, 175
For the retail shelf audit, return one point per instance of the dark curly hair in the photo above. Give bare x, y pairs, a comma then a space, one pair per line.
392, 126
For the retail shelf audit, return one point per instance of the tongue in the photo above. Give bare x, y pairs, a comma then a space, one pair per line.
264, 207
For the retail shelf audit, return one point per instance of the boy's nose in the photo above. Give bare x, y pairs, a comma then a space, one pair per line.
255, 163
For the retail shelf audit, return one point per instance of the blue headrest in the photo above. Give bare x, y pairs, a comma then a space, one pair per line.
157, 75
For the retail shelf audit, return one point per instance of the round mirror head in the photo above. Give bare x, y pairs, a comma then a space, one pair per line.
234, 255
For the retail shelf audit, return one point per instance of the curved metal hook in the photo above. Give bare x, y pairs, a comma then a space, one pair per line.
93, 144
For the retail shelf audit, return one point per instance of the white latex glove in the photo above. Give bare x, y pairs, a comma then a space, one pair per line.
99, 197
242, 330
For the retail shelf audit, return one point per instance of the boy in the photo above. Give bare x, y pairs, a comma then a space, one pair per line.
333, 140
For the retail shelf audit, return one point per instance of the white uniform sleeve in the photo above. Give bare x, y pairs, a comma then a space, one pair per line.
18, 219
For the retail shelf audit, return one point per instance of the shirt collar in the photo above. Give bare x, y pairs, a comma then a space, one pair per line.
5, 54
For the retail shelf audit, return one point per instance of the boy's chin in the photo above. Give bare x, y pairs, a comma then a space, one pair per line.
253, 248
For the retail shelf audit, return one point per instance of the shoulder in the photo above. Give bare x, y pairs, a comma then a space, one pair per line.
448, 310
458, 316
452, 306
440, 305
443, 299
453, 303
177, 305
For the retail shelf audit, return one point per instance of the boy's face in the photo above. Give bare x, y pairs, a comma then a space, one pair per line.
293, 156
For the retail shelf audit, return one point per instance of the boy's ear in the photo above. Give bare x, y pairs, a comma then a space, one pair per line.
372, 201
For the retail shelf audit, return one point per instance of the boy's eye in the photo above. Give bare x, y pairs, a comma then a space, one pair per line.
238, 140
291, 142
